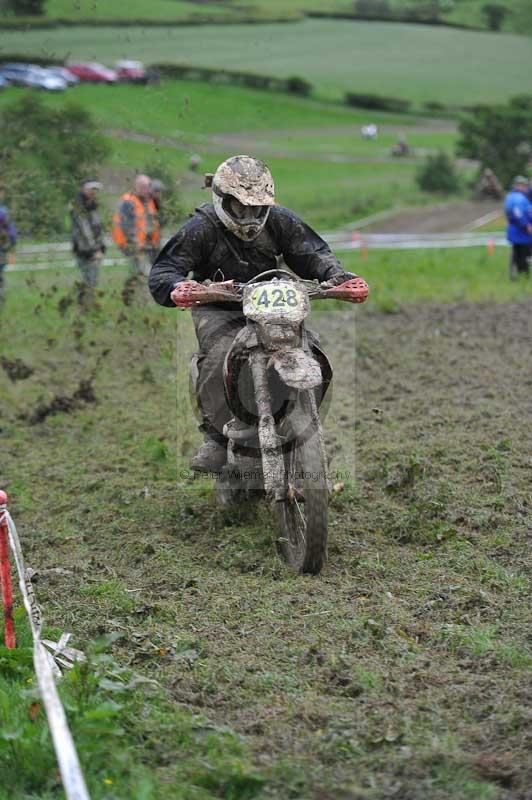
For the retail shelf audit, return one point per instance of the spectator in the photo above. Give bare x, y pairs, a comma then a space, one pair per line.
87, 233
136, 228
157, 188
518, 210
488, 186
8, 240
370, 131
194, 162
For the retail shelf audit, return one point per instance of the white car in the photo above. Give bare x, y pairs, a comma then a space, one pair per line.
40, 78
65, 74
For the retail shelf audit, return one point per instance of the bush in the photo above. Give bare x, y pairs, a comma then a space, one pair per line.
377, 102
495, 14
438, 174
25, 7
434, 106
296, 85
293, 85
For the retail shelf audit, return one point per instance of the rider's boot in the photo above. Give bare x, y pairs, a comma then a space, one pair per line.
211, 457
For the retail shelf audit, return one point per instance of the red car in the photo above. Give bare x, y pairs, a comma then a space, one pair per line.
92, 71
132, 71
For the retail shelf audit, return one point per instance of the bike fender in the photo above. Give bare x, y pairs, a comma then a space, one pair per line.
297, 368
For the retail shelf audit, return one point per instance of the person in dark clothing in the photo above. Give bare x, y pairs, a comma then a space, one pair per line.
239, 235
156, 190
87, 232
8, 241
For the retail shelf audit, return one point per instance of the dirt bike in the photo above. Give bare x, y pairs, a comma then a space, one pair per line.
275, 378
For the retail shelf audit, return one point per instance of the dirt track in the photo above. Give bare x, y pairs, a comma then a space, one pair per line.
446, 217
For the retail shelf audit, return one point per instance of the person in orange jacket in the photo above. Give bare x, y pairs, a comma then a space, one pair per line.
136, 227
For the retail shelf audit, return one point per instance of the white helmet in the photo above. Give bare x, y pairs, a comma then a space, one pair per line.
242, 193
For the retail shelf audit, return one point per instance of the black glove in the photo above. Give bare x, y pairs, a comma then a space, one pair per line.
336, 279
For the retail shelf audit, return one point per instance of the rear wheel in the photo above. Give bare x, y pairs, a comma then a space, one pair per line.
302, 514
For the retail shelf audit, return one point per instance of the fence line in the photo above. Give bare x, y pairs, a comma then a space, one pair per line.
58, 255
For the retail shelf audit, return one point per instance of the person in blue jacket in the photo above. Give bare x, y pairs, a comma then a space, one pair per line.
518, 210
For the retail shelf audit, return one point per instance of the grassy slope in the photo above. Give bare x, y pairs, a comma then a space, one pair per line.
367, 56
155, 9
327, 193
197, 109
403, 665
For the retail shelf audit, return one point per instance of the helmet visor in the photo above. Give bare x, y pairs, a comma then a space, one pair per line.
241, 213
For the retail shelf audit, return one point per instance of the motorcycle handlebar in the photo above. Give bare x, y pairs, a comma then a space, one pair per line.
190, 293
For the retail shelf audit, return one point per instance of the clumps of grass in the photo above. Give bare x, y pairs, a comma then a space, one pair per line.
155, 450
479, 641
420, 508
161, 745
110, 595
452, 779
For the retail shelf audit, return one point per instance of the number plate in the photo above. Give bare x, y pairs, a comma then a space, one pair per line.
272, 299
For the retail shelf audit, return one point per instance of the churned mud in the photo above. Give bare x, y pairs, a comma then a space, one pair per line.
403, 671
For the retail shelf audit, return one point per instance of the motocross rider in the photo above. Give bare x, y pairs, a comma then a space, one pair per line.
237, 236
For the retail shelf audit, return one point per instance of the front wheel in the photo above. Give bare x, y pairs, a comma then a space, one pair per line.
302, 514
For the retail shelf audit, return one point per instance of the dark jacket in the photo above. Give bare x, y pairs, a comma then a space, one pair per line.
87, 229
8, 233
205, 248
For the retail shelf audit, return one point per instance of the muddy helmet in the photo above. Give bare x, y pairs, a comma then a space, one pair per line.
242, 193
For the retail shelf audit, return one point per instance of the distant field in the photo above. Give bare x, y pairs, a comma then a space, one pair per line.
419, 63
465, 12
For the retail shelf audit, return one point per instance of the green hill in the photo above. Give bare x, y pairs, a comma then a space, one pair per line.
461, 12
407, 61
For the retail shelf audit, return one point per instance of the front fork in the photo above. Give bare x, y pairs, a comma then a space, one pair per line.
270, 445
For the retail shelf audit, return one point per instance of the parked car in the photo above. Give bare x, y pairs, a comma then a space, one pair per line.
16, 73
65, 74
39, 78
33, 76
131, 71
92, 72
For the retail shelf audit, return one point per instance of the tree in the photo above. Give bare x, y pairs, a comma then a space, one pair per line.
499, 138
26, 8
495, 15
45, 154
437, 174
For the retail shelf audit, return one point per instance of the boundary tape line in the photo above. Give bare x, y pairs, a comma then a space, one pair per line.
46, 670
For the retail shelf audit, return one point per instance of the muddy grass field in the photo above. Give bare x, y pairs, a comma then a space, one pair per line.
402, 672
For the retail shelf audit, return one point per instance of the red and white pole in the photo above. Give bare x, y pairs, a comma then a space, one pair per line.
5, 576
